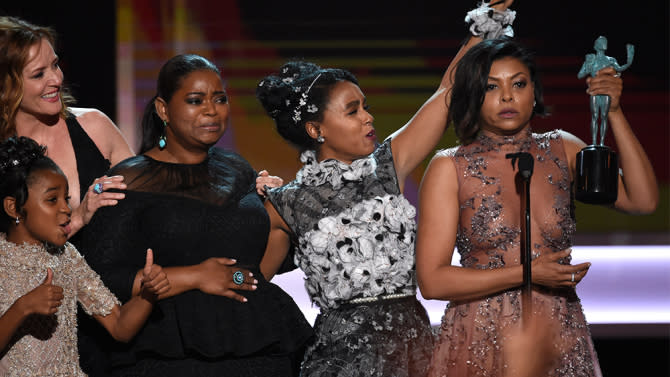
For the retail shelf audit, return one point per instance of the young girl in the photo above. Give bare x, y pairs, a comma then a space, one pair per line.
42, 276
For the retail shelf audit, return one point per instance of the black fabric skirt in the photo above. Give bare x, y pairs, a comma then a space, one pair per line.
253, 366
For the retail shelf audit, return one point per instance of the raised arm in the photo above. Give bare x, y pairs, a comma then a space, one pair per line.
630, 51
436, 237
413, 142
638, 188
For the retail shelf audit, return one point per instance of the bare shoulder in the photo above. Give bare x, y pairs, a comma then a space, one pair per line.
572, 145
92, 119
441, 166
104, 133
570, 141
446, 153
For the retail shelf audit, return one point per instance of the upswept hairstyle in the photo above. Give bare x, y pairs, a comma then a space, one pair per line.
20, 158
281, 95
170, 79
16, 38
471, 78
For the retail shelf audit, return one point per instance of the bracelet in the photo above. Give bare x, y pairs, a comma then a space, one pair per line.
490, 23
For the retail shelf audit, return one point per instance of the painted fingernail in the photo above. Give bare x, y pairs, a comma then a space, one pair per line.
255, 281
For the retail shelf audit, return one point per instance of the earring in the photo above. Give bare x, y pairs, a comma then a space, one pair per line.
17, 220
534, 103
320, 139
162, 140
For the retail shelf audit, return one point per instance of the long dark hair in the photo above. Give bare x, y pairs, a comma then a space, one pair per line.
471, 78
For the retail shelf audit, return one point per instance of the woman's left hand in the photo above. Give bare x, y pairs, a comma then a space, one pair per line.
265, 179
607, 82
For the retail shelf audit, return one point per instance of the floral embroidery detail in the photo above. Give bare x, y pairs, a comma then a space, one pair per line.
332, 171
366, 250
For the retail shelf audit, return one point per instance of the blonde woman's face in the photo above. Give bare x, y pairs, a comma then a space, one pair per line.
42, 82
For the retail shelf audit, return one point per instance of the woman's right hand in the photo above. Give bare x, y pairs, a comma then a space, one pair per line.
44, 299
546, 270
95, 198
98, 196
216, 278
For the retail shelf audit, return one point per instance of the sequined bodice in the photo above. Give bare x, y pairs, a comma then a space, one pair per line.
47, 345
353, 229
489, 229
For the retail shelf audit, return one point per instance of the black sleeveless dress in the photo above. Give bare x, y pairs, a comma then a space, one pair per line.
187, 214
91, 164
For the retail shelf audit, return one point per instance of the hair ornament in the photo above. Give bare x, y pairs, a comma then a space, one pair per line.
297, 112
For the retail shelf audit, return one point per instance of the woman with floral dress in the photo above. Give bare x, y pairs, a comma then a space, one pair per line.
346, 222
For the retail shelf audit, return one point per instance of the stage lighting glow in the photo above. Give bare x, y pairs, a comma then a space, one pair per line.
625, 285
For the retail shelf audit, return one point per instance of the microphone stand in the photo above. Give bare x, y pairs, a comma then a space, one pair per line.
525, 165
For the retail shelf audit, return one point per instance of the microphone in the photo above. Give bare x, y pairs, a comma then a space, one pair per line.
526, 163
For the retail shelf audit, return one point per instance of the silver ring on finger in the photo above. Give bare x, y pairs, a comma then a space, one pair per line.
98, 188
572, 279
238, 277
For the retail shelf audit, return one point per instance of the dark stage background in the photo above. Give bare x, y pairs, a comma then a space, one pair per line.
111, 52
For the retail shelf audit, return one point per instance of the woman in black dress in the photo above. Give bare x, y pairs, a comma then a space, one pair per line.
198, 207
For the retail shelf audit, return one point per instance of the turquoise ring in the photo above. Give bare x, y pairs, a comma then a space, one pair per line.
238, 277
97, 188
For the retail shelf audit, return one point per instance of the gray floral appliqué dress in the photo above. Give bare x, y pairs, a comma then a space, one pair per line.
353, 237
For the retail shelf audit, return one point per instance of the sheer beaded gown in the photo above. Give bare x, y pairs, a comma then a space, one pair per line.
353, 233
187, 214
489, 237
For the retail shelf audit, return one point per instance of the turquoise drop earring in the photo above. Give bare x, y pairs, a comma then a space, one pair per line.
162, 140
